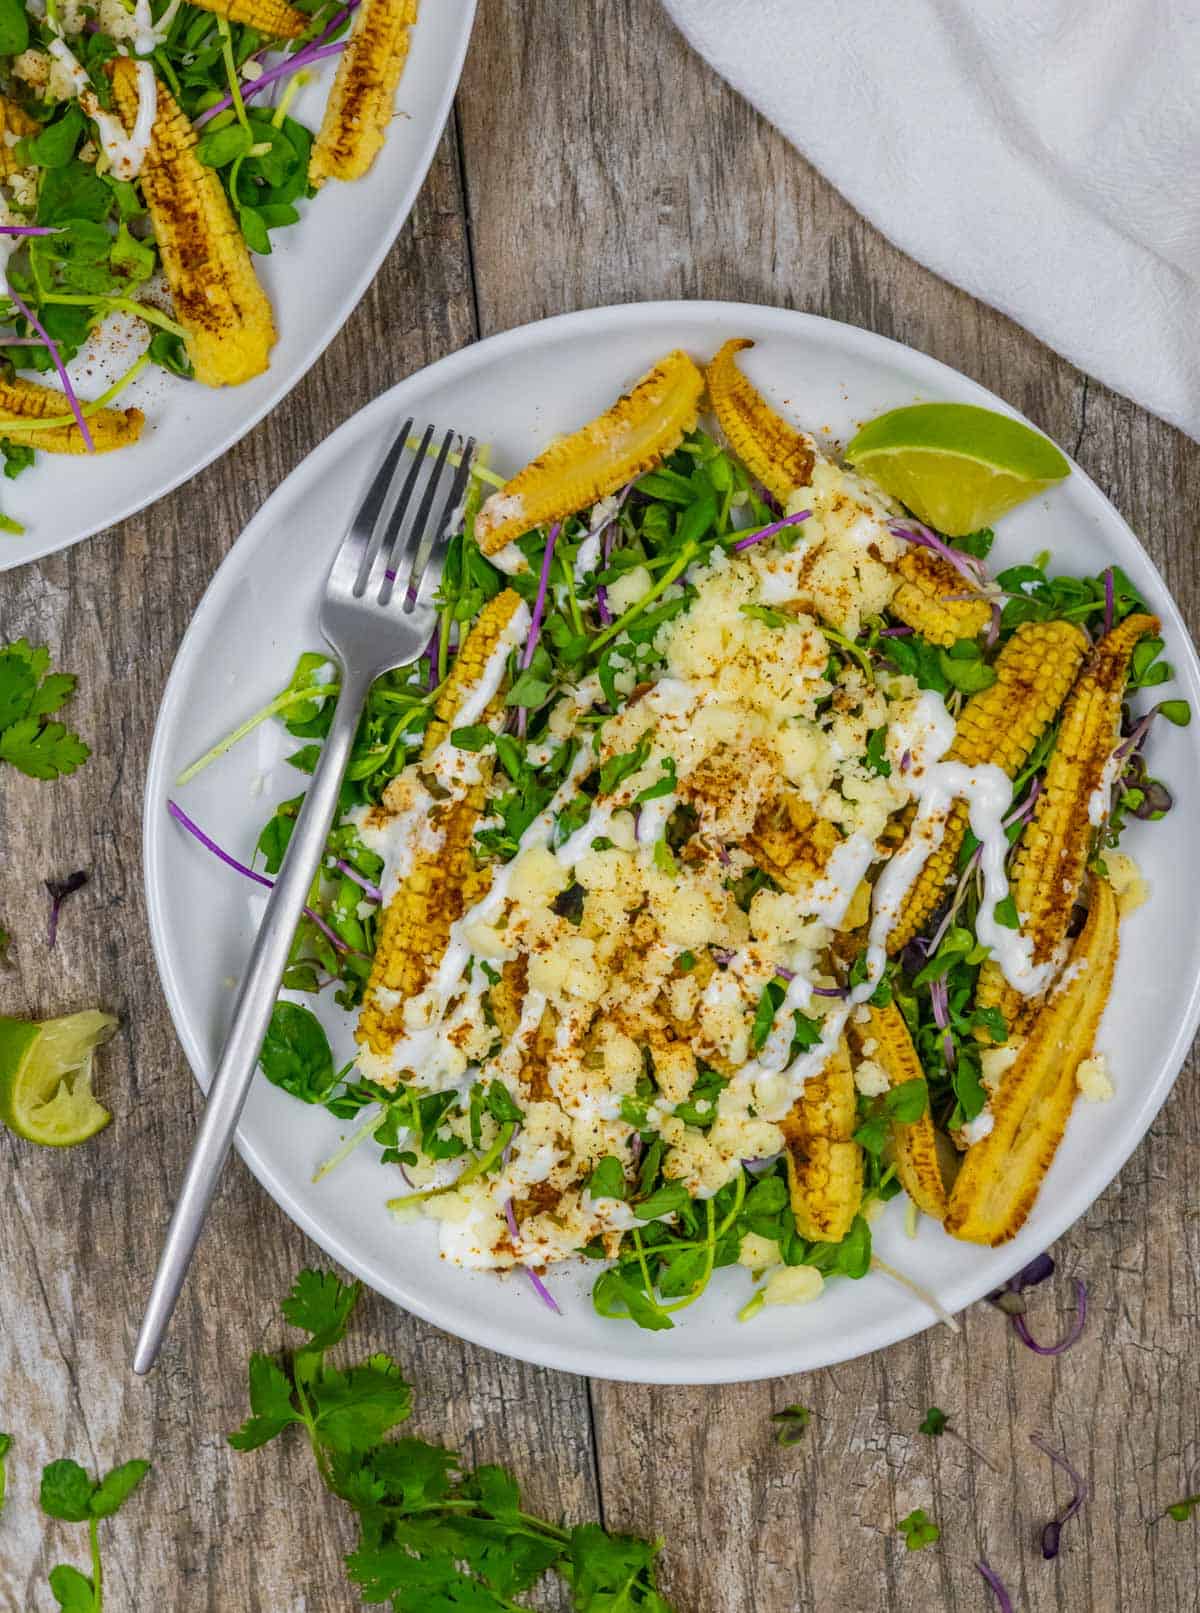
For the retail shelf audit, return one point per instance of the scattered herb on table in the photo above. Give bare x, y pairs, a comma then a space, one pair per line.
431, 1535
5, 948
1182, 1510
30, 694
1052, 1533
934, 1422
5, 1447
70, 1494
792, 1425
919, 1530
60, 890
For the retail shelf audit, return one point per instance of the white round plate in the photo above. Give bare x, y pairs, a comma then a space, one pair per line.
313, 285
515, 391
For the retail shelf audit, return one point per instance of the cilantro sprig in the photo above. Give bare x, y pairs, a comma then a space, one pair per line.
30, 695
433, 1537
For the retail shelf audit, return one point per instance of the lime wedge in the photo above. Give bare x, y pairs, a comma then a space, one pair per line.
957, 467
46, 1077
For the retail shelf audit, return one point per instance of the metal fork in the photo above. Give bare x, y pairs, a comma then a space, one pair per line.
377, 613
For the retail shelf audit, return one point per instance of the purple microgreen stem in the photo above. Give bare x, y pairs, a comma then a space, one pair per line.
59, 890
1052, 1533
995, 1585
60, 368
770, 531
373, 891
209, 844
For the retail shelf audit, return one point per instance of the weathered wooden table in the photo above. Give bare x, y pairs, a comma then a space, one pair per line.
591, 159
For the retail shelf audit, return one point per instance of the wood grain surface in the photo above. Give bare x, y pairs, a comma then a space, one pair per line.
591, 159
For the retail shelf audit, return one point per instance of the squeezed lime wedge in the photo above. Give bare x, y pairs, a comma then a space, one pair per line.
46, 1077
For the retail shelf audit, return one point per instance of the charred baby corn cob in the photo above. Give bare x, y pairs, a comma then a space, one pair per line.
928, 601
217, 297
1072, 805
640, 430
273, 18
14, 122
441, 884
25, 400
914, 1144
780, 456
824, 1163
1001, 1174
1000, 725
361, 102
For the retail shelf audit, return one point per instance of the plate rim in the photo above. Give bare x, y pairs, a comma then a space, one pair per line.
371, 265
541, 1349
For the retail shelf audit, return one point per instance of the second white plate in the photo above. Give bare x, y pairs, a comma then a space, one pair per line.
313, 288
515, 391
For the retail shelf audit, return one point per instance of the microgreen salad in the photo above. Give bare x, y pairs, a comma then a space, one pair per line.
690, 887
149, 150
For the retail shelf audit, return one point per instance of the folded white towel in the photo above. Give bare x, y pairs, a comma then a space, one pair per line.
1042, 154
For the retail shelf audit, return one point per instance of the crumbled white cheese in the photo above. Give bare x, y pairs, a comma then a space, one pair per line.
1094, 1079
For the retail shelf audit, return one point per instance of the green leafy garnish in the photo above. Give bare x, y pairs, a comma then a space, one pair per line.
792, 1424
432, 1536
918, 1530
29, 694
934, 1422
70, 1494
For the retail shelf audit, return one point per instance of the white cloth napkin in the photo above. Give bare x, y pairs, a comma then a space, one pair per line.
1042, 154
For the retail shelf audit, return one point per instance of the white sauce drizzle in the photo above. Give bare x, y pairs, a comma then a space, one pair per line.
126, 153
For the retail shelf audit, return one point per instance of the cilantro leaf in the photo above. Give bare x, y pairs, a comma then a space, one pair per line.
43, 751
934, 1422
612, 1573
354, 1409
321, 1304
792, 1423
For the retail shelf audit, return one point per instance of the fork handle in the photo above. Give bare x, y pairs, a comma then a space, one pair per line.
251, 1017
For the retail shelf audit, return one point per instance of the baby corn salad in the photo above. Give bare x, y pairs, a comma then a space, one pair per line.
148, 151
739, 855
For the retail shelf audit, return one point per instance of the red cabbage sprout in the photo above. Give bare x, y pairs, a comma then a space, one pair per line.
770, 531
539, 604
510, 1215
993, 632
895, 632
209, 844
373, 891
60, 368
1072, 1336
939, 1001
966, 565
831, 991
542, 1292
1052, 1533
28, 229
315, 52
995, 1585
59, 890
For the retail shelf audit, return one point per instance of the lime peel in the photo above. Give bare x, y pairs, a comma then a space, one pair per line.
46, 1077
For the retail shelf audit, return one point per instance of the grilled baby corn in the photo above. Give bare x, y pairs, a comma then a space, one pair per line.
273, 18
15, 122
914, 1145
927, 599
25, 400
639, 431
824, 1163
361, 102
217, 297
780, 456
1000, 725
1001, 1174
443, 881
1072, 806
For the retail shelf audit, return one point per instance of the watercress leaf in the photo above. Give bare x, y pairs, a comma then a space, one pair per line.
475, 737
19, 456
502, 1106
72, 1590
66, 1492
854, 1251
171, 352
666, 1200
220, 146
907, 1102
295, 1053
607, 1181
618, 768
1006, 913
14, 28
133, 259
74, 191
54, 145
255, 231
117, 1486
